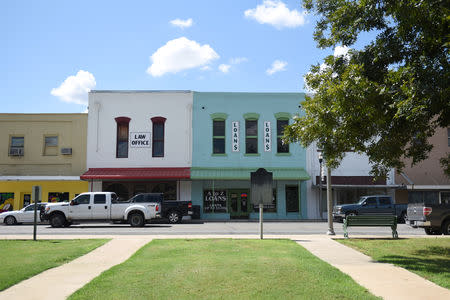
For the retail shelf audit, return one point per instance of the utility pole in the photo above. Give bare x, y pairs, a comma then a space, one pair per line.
330, 203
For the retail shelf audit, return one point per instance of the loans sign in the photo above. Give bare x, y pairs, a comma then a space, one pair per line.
235, 136
140, 139
267, 137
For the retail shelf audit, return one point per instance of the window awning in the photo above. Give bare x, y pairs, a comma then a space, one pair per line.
135, 173
244, 173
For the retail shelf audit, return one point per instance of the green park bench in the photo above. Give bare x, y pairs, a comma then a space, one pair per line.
371, 221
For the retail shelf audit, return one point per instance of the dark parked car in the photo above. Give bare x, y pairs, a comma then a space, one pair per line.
429, 211
371, 205
172, 210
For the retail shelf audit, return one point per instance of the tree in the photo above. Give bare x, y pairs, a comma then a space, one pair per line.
387, 99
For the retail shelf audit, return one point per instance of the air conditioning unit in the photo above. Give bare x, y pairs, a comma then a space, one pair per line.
66, 151
15, 151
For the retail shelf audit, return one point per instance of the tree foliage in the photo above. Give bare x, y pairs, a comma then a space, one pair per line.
387, 99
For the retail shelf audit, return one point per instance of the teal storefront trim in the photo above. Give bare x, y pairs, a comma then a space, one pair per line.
199, 173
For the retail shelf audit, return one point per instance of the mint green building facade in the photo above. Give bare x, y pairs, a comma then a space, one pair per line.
234, 134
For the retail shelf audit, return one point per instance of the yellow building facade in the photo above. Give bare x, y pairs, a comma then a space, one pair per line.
48, 150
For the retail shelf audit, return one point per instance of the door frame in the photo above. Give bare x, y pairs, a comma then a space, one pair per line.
239, 214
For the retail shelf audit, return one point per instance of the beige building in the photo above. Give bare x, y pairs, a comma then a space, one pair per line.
48, 150
427, 180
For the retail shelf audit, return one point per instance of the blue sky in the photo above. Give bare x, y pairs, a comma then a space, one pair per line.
54, 51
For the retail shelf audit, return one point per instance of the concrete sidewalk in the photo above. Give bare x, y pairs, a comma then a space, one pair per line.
60, 282
383, 280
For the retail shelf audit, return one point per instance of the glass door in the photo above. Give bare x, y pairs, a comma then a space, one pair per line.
238, 204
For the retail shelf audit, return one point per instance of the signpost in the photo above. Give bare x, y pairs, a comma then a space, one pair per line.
261, 192
36, 198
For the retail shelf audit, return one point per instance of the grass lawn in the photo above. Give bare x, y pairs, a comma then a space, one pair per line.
427, 257
223, 269
23, 259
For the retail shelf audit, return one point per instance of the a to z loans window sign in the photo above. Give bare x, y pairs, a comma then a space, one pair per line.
140, 139
267, 137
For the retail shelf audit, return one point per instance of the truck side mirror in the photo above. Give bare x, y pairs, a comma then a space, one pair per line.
72, 203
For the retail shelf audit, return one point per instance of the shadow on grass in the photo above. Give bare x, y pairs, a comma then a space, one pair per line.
432, 265
434, 250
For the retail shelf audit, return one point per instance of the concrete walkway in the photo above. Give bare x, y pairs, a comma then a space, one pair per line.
61, 282
383, 280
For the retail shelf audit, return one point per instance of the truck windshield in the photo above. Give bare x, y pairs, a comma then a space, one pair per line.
361, 200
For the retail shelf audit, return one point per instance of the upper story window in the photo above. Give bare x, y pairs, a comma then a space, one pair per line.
281, 124
51, 145
218, 136
251, 133
251, 136
122, 137
158, 136
16, 146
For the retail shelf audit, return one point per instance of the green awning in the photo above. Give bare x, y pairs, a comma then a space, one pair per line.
244, 173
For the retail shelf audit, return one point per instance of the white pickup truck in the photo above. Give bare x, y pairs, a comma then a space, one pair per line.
100, 206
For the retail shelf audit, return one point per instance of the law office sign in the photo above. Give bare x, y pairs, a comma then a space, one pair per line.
140, 139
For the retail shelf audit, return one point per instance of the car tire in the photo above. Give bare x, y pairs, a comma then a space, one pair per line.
174, 217
67, 223
446, 227
136, 220
10, 220
57, 221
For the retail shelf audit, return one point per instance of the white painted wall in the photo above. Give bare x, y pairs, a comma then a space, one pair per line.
140, 106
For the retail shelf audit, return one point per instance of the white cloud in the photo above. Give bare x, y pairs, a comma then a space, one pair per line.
276, 14
182, 23
341, 50
238, 60
75, 89
338, 51
224, 68
205, 68
180, 54
277, 66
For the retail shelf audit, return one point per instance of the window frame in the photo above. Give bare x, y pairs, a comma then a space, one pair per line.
47, 148
248, 137
219, 137
279, 137
16, 147
158, 121
122, 121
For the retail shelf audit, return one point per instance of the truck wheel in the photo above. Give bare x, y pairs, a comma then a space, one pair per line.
10, 220
57, 221
403, 218
174, 217
136, 220
67, 223
446, 227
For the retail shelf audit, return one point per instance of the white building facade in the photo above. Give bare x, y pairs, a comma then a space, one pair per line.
349, 182
140, 141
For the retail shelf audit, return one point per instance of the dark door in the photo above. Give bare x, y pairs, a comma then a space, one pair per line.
239, 204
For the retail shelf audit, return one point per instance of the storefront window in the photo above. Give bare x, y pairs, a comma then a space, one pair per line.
6, 201
215, 201
58, 197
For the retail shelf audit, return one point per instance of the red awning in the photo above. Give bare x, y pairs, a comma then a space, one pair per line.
136, 173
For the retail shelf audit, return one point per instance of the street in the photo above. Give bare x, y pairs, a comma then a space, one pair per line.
207, 227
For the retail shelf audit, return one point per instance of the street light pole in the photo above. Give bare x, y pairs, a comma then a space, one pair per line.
330, 203
320, 184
